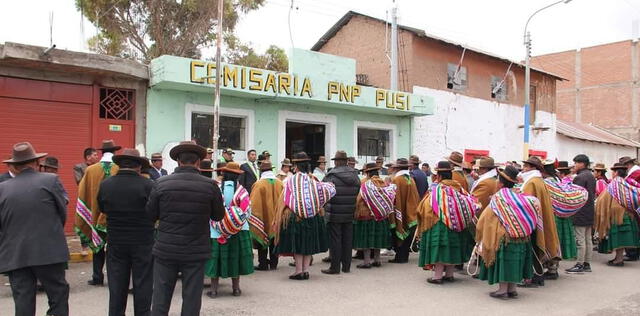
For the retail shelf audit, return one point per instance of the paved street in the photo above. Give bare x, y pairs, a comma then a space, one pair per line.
392, 289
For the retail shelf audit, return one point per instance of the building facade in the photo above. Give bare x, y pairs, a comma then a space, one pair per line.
479, 96
63, 102
602, 86
317, 107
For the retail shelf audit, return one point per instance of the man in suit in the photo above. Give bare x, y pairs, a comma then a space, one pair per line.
251, 171
32, 242
9, 174
90, 158
123, 198
183, 203
156, 170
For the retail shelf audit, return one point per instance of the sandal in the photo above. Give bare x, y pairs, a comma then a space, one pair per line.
299, 276
612, 263
434, 281
212, 294
502, 296
364, 266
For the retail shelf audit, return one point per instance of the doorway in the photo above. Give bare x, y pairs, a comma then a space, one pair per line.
306, 137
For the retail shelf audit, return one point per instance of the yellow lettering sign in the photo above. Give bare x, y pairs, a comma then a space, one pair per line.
211, 70
194, 76
270, 83
255, 76
332, 88
230, 74
284, 83
380, 96
306, 87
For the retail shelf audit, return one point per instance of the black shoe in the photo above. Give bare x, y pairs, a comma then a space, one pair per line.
305, 275
550, 275
299, 276
261, 268
539, 280
237, 292
528, 285
330, 271
578, 268
612, 263
364, 266
448, 279
586, 267
513, 294
326, 259
434, 281
212, 294
376, 264
346, 270
95, 282
502, 296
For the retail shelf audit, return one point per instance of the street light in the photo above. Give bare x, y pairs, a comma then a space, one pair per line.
527, 78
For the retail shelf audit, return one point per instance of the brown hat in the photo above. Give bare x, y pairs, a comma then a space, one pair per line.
401, 163
109, 145
534, 161
456, 158
322, 159
370, 166
564, 165
300, 157
618, 165
133, 154
510, 173
228, 151
626, 159
266, 153
156, 156
414, 159
340, 155
286, 162
231, 166
205, 165
599, 166
24, 152
51, 162
443, 166
352, 159
379, 158
389, 165
187, 146
266, 166
485, 162
209, 150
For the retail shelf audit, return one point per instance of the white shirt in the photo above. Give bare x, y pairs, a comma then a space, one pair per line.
526, 176
402, 173
487, 175
107, 157
267, 175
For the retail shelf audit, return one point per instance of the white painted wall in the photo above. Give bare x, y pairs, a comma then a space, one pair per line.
460, 122
597, 152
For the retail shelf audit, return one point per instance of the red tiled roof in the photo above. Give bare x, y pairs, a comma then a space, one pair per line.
592, 133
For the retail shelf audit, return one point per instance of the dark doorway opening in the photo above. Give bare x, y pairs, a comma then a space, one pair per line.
305, 137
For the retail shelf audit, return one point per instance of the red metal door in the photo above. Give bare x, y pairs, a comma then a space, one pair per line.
55, 117
115, 116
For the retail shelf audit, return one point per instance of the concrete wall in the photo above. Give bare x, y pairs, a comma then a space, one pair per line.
603, 86
597, 152
461, 122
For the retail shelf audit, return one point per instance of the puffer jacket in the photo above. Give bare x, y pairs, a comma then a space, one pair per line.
184, 202
584, 216
341, 207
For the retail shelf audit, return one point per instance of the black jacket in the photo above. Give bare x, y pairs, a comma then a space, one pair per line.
584, 216
341, 207
5, 176
184, 202
248, 178
154, 174
123, 198
422, 184
32, 216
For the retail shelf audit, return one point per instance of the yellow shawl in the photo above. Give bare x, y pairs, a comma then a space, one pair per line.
489, 232
460, 177
608, 211
362, 210
547, 243
483, 192
264, 199
407, 200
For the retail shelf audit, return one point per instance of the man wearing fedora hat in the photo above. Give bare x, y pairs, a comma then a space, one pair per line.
422, 184
155, 170
123, 198
340, 211
547, 244
457, 160
251, 171
285, 169
183, 203
407, 200
485, 186
380, 163
264, 199
321, 169
33, 199
50, 165
90, 224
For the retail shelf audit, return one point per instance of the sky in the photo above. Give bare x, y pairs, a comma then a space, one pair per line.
495, 26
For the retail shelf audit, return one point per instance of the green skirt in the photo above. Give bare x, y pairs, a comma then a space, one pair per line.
442, 245
513, 264
232, 259
371, 234
621, 236
303, 237
567, 237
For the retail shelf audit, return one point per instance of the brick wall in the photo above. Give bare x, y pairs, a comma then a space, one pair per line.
426, 59
601, 87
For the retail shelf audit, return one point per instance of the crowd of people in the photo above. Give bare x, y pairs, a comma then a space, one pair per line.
510, 223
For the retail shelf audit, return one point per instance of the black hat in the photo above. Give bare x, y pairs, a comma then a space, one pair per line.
340, 155
205, 165
581, 158
131, 154
401, 163
24, 152
626, 159
109, 145
371, 166
563, 165
510, 173
300, 157
187, 146
51, 162
534, 161
443, 166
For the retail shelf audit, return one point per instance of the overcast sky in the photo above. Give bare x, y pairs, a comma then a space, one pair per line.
495, 26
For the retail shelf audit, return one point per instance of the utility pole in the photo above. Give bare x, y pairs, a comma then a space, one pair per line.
216, 98
394, 48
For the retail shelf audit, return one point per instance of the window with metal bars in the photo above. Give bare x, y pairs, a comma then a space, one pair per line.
117, 104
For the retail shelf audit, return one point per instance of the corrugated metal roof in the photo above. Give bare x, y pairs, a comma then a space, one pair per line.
592, 133
420, 33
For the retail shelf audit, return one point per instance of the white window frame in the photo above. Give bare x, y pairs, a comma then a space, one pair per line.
248, 115
329, 121
393, 131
